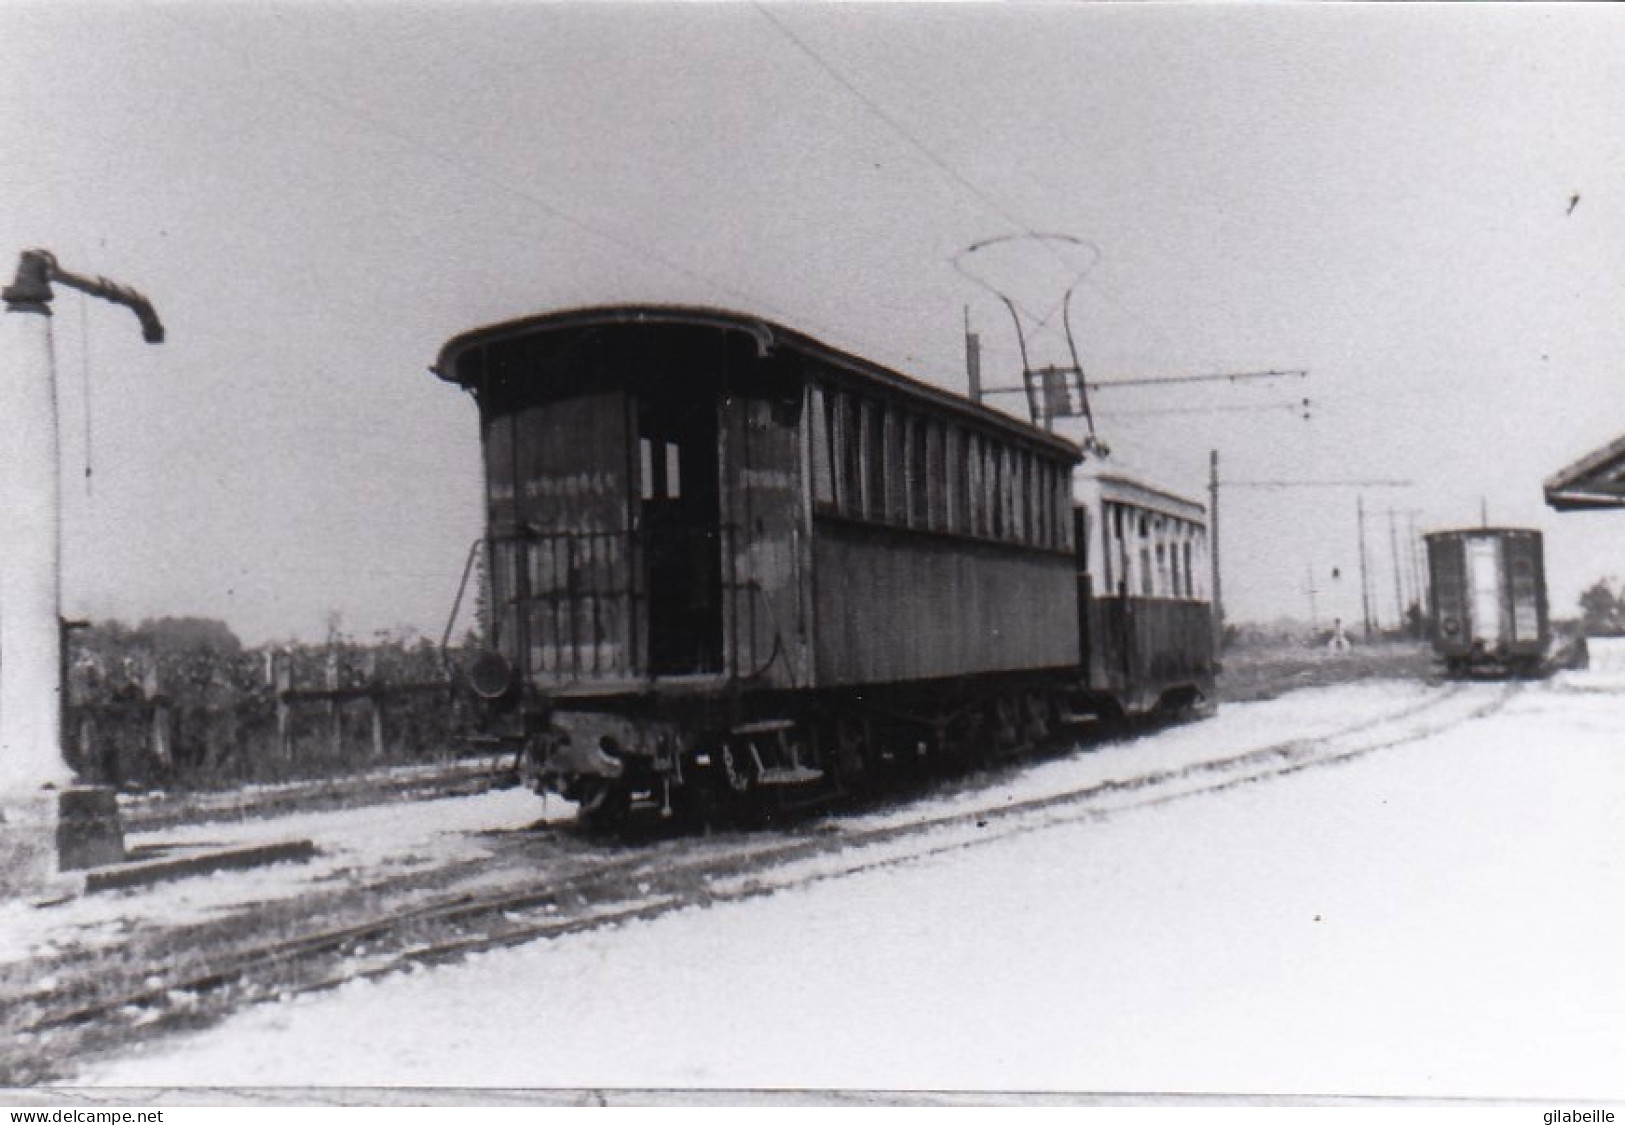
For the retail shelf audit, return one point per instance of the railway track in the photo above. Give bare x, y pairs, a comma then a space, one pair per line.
589, 887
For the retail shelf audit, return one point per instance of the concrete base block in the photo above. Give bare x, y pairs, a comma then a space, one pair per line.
28, 848
88, 832
47, 832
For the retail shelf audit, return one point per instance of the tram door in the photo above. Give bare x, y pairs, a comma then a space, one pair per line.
1086, 593
677, 474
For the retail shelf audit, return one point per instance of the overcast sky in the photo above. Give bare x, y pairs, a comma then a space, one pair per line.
1425, 207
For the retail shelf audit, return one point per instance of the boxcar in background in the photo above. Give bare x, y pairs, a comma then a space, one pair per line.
1488, 606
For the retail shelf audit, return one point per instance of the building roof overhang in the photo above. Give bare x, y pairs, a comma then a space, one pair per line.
1595, 481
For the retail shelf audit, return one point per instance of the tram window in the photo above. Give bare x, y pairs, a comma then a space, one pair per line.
1024, 491
1035, 508
953, 457
660, 477
849, 457
936, 483
976, 497
992, 489
1018, 509
821, 412
1146, 588
1106, 548
1010, 464
1018, 520
1040, 502
896, 505
1063, 504
1054, 517
973, 487
920, 505
1190, 579
997, 478
674, 470
874, 461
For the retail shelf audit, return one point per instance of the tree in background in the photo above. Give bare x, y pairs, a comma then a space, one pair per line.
1602, 610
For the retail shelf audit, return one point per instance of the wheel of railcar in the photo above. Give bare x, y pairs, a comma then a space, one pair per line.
698, 803
849, 754
738, 767
1039, 720
1007, 727
970, 739
604, 807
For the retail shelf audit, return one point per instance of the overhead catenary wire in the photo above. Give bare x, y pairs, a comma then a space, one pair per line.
290, 79
1319, 483
982, 196
1260, 408
891, 122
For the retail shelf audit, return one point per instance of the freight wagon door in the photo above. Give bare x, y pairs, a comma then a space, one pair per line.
1484, 588
1528, 583
1446, 566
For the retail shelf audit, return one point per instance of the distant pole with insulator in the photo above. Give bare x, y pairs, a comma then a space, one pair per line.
1365, 585
1213, 550
973, 361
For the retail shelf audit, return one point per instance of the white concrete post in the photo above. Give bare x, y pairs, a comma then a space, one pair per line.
47, 825
30, 547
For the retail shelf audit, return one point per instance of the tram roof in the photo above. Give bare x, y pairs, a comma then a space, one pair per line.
1121, 486
1595, 481
769, 337
1485, 532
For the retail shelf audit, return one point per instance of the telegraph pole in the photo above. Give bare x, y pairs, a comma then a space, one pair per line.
1365, 585
1213, 549
1365, 590
973, 361
1309, 585
1399, 591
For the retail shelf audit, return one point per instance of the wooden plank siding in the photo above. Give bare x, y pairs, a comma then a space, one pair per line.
940, 548
892, 606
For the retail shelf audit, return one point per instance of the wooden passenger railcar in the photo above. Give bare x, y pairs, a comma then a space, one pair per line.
1488, 604
724, 554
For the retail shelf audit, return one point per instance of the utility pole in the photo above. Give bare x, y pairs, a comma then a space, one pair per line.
973, 361
1213, 550
1399, 591
1419, 571
1309, 584
1365, 595
1365, 586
